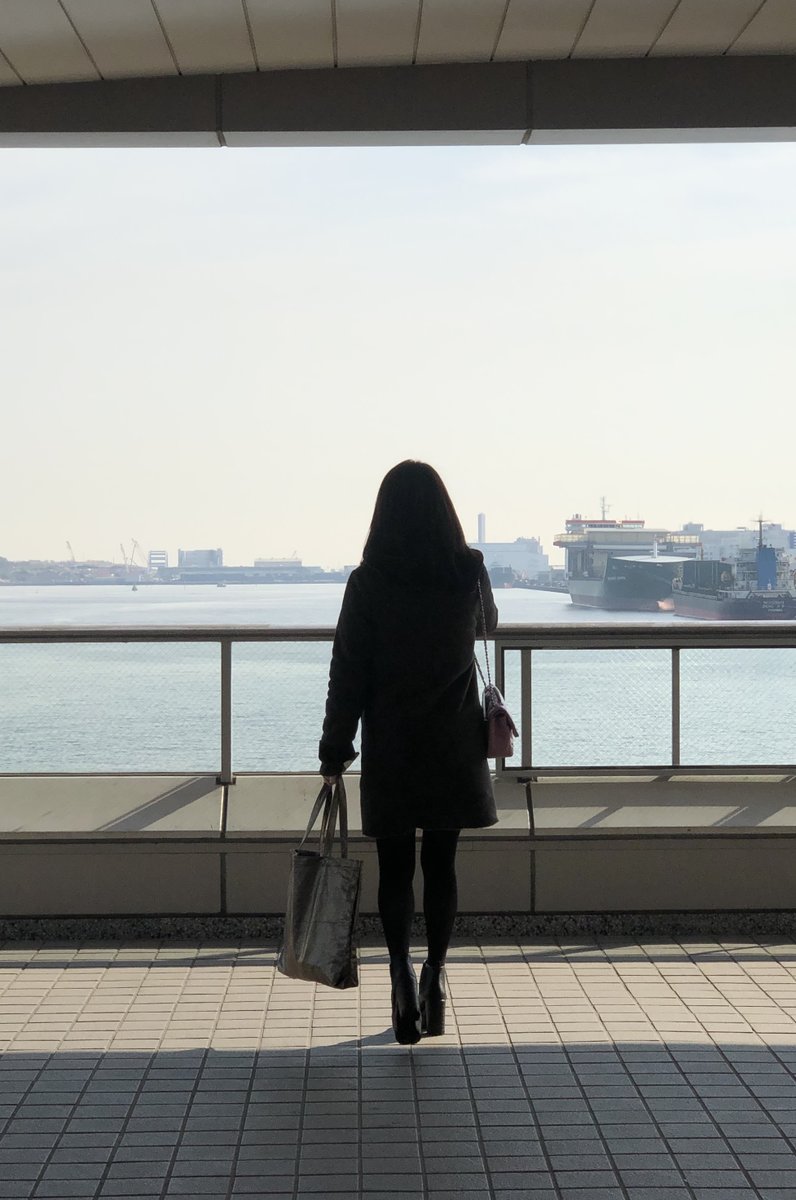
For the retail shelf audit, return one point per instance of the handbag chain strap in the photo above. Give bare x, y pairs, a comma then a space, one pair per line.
486, 648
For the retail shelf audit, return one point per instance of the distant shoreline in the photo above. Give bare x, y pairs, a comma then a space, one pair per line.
139, 583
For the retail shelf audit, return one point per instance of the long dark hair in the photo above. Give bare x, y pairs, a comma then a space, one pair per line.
414, 528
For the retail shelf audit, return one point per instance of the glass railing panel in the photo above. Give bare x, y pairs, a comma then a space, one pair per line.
738, 706
512, 696
278, 702
117, 707
601, 707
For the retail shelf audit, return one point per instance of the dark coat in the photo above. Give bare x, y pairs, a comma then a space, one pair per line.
403, 662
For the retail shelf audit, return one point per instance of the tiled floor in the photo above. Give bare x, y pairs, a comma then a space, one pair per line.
581, 1071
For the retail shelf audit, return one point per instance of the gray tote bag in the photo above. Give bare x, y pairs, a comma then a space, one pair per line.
323, 901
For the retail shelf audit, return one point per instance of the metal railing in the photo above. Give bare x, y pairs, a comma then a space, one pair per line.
526, 673
533, 643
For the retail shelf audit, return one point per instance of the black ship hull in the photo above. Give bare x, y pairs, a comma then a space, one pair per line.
628, 586
757, 606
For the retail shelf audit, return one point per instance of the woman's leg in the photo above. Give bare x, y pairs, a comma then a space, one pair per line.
397, 907
396, 898
440, 895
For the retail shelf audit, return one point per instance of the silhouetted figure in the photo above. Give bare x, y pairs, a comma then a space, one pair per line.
403, 663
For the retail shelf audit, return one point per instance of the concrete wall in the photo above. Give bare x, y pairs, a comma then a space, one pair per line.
146, 845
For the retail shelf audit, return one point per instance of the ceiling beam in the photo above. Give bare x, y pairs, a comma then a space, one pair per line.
607, 100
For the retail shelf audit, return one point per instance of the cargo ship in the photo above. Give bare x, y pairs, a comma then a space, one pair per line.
622, 566
755, 586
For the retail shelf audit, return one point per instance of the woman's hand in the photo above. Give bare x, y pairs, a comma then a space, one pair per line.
331, 779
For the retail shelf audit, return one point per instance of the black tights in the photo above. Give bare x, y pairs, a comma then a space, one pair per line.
396, 898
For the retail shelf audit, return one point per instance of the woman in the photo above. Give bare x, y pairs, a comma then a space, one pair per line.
403, 662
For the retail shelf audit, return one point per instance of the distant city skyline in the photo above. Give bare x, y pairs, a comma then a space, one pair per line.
555, 555
230, 349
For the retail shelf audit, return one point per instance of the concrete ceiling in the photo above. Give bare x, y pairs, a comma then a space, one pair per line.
341, 72
58, 41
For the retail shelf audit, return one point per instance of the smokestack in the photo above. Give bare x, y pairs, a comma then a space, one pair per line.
482, 527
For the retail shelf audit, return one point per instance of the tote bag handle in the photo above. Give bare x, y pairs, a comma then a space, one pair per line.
332, 801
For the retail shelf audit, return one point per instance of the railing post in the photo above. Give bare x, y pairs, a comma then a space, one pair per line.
500, 684
226, 775
675, 706
526, 699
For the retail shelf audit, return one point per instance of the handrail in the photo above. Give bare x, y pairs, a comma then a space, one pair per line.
575, 635
169, 633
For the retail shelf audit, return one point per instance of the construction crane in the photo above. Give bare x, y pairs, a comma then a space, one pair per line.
124, 554
71, 552
136, 549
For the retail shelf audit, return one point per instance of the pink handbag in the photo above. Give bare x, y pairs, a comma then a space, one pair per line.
501, 730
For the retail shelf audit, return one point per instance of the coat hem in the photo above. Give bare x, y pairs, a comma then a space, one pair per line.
432, 828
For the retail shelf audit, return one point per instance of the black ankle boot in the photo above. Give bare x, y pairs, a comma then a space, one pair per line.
405, 1003
432, 999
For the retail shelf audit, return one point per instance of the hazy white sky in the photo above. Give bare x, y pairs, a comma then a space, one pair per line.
230, 348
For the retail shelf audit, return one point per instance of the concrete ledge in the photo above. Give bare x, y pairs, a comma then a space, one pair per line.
93, 846
271, 812
279, 806
636, 805
109, 806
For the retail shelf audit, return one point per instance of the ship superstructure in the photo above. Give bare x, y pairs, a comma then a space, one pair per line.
623, 565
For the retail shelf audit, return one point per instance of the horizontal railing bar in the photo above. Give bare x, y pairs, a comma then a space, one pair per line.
580, 636
149, 773
522, 774
576, 636
219, 633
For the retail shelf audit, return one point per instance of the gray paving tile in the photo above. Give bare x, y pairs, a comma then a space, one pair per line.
370, 1194
77, 1170
325, 1185
715, 1159
592, 1193
200, 1187
591, 1179
741, 1193
645, 1161
456, 1181
532, 1193
63, 1188
642, 1176
770, 1160
514, 1162
185, 1166
141, 1154
656, 1193
715, 1179
520, 1181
